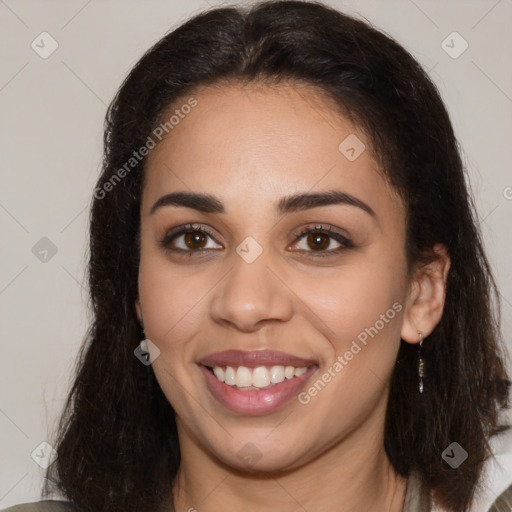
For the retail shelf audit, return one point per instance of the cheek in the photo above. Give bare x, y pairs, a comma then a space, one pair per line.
174, 306
354, 299
347, 300
173, 301
359, 311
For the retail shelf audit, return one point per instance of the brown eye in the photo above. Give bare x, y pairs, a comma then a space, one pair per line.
189, 239
195, 240
318, 241
322, 241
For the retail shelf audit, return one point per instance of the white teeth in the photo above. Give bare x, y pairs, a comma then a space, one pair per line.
243, 377
300, 371
289, 372
260, 377
229, 376
219, 373
276, 374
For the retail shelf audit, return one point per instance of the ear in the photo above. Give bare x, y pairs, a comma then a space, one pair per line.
139, 311
426, 296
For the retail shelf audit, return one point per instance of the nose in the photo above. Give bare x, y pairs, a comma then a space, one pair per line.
250, 296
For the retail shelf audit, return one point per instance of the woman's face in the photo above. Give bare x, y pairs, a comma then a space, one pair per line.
293, 255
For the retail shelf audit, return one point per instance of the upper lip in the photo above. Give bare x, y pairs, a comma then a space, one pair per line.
255, 358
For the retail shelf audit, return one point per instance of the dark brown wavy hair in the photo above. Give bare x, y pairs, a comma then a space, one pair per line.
117, 443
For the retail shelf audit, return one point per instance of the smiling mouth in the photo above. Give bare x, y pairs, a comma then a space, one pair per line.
260, 377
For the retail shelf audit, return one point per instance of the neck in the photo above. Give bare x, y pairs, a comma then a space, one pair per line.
352, 475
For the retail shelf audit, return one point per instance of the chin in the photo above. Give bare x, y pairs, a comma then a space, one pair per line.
252, 456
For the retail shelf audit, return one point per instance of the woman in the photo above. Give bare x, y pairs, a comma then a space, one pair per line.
292, 305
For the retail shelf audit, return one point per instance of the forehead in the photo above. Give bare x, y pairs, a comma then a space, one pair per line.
252, 141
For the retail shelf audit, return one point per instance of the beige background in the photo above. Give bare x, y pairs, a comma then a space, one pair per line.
51, 142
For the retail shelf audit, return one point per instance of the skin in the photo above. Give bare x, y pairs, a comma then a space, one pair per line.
250, 146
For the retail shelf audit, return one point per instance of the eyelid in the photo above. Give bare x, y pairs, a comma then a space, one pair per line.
169, 235
343, 240
326, 229
346, 242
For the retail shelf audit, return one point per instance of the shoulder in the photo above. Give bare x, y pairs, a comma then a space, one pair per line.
42, 506
416, 495
504, 502
497, 474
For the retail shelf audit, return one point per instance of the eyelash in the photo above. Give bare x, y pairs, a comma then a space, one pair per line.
345, 242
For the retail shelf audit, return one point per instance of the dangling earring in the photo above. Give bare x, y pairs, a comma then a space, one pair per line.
421, 363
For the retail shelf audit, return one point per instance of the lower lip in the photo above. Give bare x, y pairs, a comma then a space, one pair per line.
255, 401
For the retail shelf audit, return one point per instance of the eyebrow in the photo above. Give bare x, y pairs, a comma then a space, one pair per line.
208, 203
